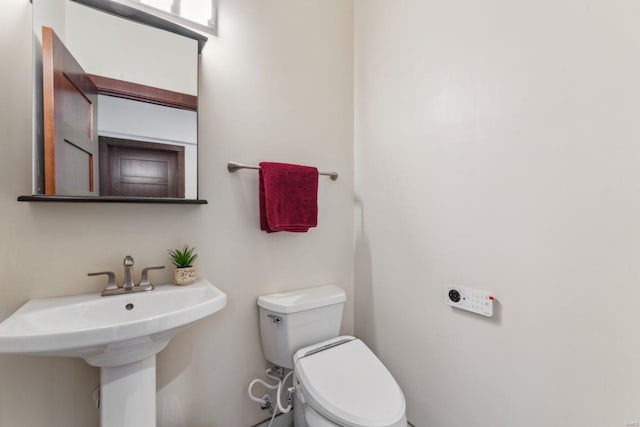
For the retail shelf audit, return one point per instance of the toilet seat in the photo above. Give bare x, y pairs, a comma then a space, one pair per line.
349, 385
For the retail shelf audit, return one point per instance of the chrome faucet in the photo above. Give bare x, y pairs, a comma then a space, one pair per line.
128, 286
128, 273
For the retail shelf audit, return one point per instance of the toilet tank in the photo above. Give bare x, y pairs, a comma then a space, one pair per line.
296, 319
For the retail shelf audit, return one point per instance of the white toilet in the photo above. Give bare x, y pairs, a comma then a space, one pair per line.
339, 382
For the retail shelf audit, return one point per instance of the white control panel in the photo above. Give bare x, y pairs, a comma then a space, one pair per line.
473, 300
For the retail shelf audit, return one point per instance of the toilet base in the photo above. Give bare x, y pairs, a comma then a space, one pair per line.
305, 416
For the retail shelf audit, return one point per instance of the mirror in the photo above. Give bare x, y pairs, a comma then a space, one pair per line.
115, 102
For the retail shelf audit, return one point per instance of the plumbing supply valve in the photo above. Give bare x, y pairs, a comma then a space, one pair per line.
291, 391
266, 403
277, 371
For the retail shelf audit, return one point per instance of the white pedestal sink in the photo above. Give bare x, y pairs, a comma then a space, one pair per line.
120, 334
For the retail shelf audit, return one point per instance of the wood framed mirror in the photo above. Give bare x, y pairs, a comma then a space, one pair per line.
115, 103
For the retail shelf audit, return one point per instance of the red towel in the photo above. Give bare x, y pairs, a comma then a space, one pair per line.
288, 197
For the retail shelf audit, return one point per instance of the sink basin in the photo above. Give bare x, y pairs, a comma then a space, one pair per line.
108, 331
121, 334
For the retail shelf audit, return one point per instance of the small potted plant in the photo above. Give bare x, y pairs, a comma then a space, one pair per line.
183, 260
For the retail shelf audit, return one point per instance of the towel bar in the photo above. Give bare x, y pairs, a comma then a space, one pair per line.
233, 166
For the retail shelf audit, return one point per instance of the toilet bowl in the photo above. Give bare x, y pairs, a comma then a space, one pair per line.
338, 381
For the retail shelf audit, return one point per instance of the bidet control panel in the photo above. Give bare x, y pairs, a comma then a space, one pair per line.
473, 300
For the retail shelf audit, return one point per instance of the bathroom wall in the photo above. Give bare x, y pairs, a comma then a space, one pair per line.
131, 51
276, 84
50, 13
497, 147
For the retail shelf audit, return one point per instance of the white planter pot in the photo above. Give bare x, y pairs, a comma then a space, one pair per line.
184, 276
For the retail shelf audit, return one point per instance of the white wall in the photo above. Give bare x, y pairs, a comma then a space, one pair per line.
275, 85
497, 146
49, 13
113, 47
141, 121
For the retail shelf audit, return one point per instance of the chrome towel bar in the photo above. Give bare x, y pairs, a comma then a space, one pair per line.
233, 166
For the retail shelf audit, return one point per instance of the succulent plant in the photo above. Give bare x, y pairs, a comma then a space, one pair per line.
183, 258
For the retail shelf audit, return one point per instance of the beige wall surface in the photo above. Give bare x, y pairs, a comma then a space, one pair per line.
49, 13
130, 51
276, 84
497, 147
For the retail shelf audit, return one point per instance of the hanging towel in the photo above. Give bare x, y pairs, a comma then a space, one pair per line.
288, 197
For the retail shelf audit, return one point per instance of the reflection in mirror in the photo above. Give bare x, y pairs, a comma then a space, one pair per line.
115, 108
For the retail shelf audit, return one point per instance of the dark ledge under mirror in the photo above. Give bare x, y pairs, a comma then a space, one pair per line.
83, 199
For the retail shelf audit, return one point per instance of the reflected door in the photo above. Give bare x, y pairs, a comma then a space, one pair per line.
141, 169
70, 122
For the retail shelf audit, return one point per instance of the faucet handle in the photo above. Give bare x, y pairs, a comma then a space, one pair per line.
112, 278
144, 279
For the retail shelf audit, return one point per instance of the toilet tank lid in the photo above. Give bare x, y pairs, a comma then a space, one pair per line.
302, 299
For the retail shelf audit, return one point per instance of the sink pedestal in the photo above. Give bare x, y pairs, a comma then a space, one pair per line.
128, 394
